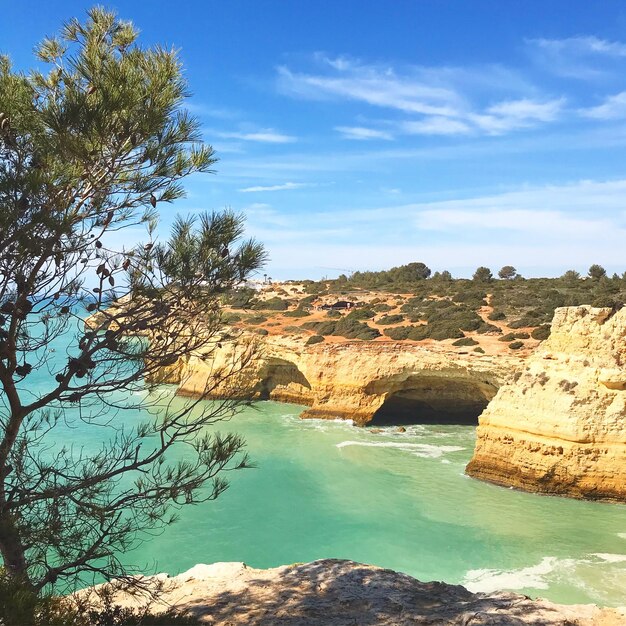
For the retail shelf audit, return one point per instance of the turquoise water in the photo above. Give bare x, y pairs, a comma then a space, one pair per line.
400, 500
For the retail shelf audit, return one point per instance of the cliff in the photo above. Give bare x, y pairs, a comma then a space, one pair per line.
560, 426
355, 380
340, 593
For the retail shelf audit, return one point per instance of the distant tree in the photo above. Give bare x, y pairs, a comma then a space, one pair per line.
86, 151
507, 272
445, 275
483, 275
596, 272
571, 276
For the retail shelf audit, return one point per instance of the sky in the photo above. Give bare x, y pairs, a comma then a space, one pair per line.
365, 134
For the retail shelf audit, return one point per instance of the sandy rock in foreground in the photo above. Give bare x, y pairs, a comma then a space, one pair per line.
334, 592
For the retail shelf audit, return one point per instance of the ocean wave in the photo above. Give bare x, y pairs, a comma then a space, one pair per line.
544, 574
610, 558
424, 450
533, 577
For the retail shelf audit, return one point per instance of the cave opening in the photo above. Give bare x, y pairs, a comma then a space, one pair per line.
433, 403
281, 379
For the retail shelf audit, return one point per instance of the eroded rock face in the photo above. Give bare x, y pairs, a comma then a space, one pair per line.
560, 426
334, 592
354, 380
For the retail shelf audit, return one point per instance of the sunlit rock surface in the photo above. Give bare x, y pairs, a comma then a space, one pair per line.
355, 380
560, 426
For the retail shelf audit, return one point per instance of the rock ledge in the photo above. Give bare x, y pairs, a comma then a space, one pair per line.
334, 592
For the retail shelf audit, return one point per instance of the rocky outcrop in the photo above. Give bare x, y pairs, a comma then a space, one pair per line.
343, 593
560, 426
355, 380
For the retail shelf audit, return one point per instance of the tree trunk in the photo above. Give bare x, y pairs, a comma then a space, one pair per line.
12, 551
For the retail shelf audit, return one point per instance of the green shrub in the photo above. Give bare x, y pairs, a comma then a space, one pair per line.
479, 350
294, 329
367, 334
541, 332
244, 298
381, 308
256, 319
360, 314
398, 333
507, 337
261, 331
485, 328
419, 333
516, 345
353, 329
296, 313
494, 316
273, 304
442, 331
332, 314
321, 328
314, 339
465, 341
385, 320
231, 318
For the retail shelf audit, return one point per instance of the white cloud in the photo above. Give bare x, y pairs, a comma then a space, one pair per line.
583, 57
550, 228
435, 100
374, 86
515, 114
614, 107
264, 136
436, 126
281, 187
362, 133
584, 45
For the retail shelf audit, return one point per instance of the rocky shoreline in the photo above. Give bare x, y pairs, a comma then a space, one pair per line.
334, 592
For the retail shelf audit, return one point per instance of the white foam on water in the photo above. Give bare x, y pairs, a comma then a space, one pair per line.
621, 535
610, 558
424, 450
489, 580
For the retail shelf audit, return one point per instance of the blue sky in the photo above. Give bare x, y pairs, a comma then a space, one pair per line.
366, 134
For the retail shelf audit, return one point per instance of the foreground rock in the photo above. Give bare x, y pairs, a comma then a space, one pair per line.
560, 426
353, 380
343, 593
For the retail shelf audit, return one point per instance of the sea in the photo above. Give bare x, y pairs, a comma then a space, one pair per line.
398, 499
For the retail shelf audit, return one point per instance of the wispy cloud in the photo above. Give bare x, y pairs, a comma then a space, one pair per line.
515, 114
281, 187
614, 107
582, 46
544, 227
264, 136
380, 87
576, 57
436, 126
432, 100
361, 133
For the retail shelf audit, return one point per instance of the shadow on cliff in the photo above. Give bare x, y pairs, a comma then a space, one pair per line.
343, 593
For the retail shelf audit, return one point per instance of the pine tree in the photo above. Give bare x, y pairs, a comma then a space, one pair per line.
88, 149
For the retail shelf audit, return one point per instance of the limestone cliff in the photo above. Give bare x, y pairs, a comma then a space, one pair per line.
354, 380
560, 426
